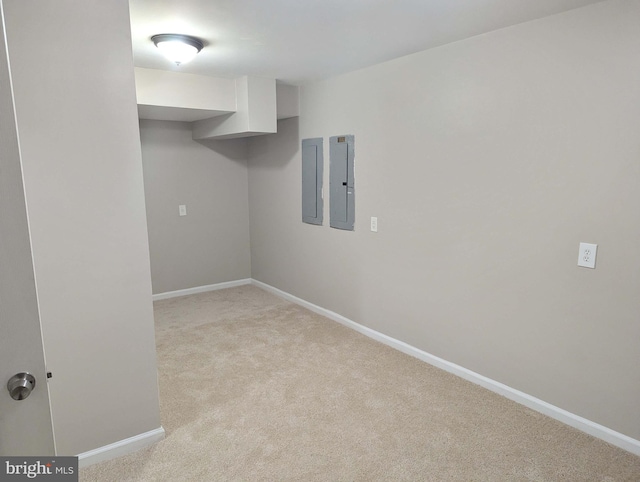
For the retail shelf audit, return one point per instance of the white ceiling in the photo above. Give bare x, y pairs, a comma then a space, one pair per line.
298, 41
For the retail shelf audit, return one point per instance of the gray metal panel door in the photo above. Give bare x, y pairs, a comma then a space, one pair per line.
312, 171
342, 182
25, 425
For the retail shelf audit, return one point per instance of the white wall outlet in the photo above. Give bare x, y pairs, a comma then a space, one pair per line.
374, 224
182, 209
587, 255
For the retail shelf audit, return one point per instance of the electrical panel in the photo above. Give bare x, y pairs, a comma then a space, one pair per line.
312, 171
342, 182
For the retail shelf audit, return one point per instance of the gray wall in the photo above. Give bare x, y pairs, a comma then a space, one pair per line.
211, 243
72, 73
486, 162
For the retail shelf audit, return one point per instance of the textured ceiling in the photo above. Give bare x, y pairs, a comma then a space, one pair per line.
298, 41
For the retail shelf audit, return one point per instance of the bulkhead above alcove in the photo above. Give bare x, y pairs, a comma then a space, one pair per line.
218, 108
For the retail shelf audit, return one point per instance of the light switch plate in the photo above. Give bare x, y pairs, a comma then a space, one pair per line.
182, 209
374, 224
587, 255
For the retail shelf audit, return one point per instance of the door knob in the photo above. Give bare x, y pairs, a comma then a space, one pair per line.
21, 385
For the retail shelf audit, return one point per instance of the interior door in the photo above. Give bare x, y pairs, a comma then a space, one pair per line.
25, 425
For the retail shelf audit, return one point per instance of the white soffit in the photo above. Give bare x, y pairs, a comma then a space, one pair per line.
181, 114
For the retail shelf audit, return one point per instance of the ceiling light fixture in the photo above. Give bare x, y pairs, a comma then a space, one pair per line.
178, 48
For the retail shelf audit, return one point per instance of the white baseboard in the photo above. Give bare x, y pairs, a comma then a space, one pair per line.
608, 435
201, 289
123, 447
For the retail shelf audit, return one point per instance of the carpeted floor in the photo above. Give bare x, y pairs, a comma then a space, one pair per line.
253, 387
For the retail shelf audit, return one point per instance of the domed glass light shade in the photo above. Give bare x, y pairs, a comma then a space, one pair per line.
178, 48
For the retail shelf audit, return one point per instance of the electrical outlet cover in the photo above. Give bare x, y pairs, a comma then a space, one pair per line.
587, 255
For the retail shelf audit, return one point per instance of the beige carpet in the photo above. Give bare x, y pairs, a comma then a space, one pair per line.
256, 388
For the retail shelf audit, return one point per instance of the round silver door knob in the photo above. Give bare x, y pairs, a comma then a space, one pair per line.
21, 385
